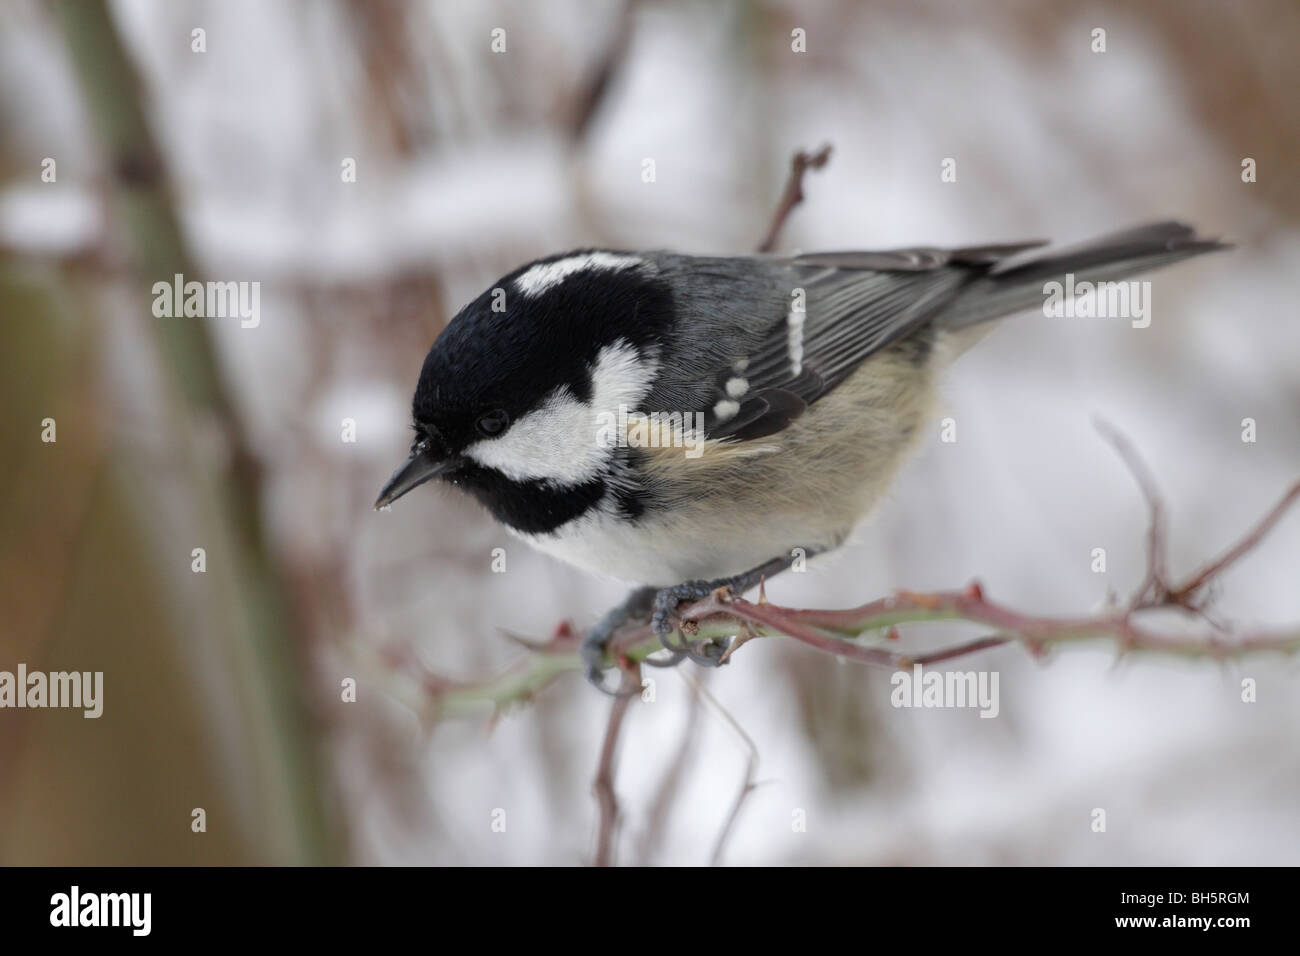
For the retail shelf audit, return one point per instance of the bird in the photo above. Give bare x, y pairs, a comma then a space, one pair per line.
685, 423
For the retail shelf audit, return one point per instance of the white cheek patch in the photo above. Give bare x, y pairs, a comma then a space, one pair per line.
545, 275
557, 441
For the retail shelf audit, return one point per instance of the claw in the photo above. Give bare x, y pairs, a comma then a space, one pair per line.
664, 622
592, 655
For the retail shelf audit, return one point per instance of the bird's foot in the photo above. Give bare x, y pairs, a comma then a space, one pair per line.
662, 606
595, 643
664, 621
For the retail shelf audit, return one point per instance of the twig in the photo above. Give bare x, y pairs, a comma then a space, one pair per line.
1157, 590
1212, 570
747, 784
670, 786
793, 195
603, 787
1153, 586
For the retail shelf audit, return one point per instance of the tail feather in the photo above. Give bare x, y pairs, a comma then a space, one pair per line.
1016, 283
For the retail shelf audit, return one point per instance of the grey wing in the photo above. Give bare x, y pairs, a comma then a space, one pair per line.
835, 310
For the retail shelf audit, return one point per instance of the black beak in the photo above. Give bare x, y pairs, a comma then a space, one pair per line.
424, 463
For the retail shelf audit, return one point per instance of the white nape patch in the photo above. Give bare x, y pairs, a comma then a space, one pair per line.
545, 275
725, 409
556, 442
736, 387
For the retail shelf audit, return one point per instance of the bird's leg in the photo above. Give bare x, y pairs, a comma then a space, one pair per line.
664, 620
592, 650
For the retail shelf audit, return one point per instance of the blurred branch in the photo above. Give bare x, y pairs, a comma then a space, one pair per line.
143, 199
392, 95
594, 91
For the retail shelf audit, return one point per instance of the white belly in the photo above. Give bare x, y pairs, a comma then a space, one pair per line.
670, 551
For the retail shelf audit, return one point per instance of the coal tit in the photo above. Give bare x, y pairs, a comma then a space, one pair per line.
685, 422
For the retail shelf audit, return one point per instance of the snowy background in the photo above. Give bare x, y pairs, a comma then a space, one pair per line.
471, 162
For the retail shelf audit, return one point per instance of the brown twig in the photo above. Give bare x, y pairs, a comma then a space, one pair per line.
1212, 570
1153, 586
603, 787
793, 195
1157, 590
747, 784
671, 784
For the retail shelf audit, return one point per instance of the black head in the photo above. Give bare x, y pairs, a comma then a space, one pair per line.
518, 359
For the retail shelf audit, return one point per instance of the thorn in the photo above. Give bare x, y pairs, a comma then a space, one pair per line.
744, 637
974, 591
891, 634
731, 649
762, 590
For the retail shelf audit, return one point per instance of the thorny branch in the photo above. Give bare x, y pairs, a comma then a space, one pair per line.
868, 634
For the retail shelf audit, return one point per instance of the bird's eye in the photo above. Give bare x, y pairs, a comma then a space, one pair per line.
493, 423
